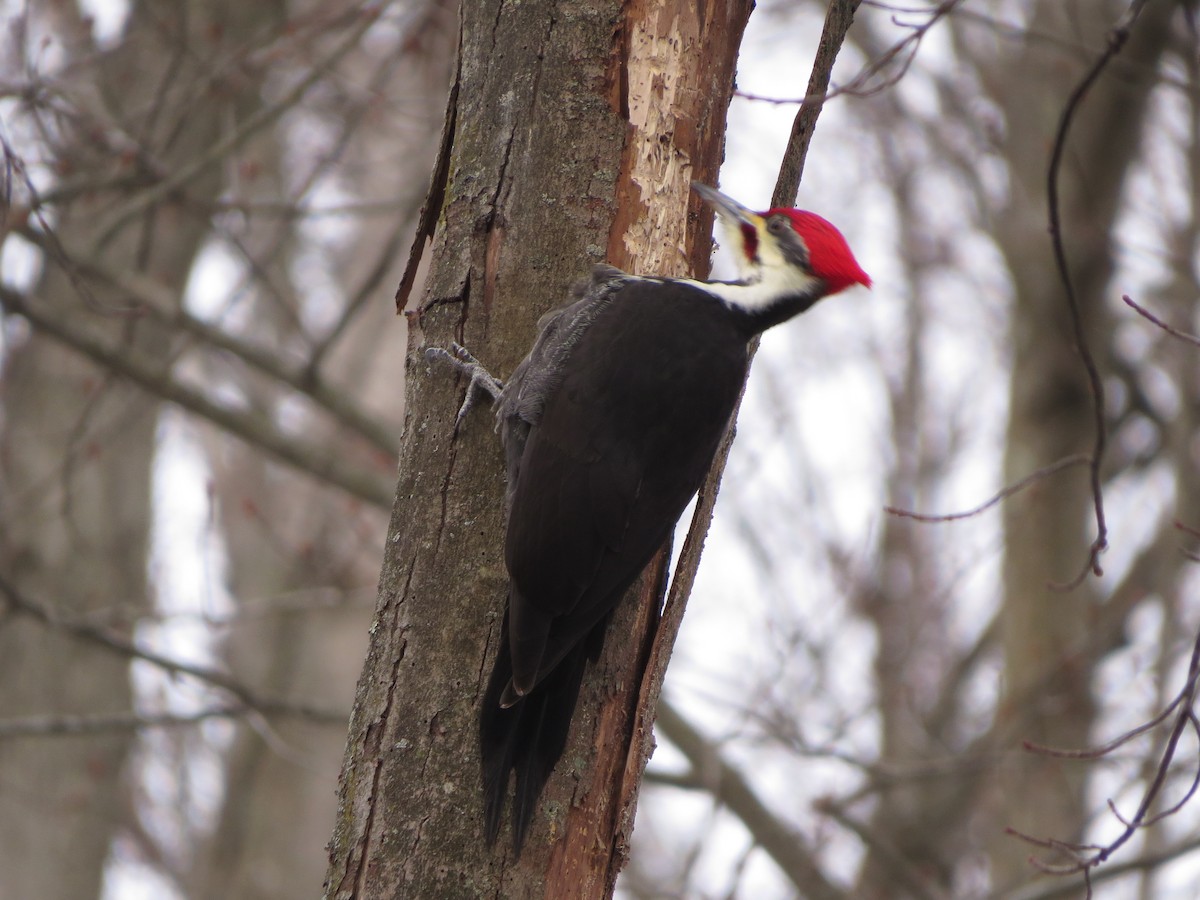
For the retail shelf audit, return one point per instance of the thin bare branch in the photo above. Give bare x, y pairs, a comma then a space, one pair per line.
1065, 463
785, 847
1116, 40
861, 86
1144, 863
1146, 314
149, 296
914, 885
838, 19
1089, 856
19, 602
87, 724
901, 54
366, 17
322, 462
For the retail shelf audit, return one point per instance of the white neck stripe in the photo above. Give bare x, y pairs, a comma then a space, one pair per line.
755, 296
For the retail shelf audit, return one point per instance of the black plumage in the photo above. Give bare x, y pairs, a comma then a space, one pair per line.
609, 426
611, 456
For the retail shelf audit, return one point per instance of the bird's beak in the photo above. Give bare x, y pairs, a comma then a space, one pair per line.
729, 209
743, 228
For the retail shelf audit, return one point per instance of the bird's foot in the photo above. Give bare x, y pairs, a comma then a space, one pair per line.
481, 380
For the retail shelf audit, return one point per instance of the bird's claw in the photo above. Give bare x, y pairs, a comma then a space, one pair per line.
481, 380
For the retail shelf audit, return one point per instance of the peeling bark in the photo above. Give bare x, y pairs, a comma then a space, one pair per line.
574, 132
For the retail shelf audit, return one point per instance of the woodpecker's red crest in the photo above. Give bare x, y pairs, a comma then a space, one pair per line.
781, 253
829, 256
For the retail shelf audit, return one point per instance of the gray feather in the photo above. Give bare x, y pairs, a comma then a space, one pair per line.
536, 377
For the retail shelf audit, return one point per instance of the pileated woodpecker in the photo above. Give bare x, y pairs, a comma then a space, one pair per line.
609, 426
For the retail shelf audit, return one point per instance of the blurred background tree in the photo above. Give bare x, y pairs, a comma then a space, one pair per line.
210, 205
207, 212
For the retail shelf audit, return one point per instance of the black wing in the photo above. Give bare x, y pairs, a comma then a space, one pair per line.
620, 446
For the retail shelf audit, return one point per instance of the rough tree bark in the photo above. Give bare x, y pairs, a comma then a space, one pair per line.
572, 135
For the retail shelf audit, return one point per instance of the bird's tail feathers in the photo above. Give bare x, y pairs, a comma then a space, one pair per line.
527, 738
526, 641
497, 729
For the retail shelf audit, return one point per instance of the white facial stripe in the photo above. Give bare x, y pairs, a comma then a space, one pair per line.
772, 285
736, 241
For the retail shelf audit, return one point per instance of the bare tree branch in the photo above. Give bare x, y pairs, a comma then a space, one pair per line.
1090, 856
365, 16
81, 724
1044, 472
903, 50
254, 429
1146, 314
1146, 863
897, 865
119, 644
684, 575
149, 296
1116, 40
785, 847
838, 19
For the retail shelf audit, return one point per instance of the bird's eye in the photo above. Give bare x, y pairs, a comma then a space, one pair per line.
776, 224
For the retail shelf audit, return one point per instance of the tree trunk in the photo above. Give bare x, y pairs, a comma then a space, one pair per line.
573, 132
79, 445
287, 535
1048, 667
